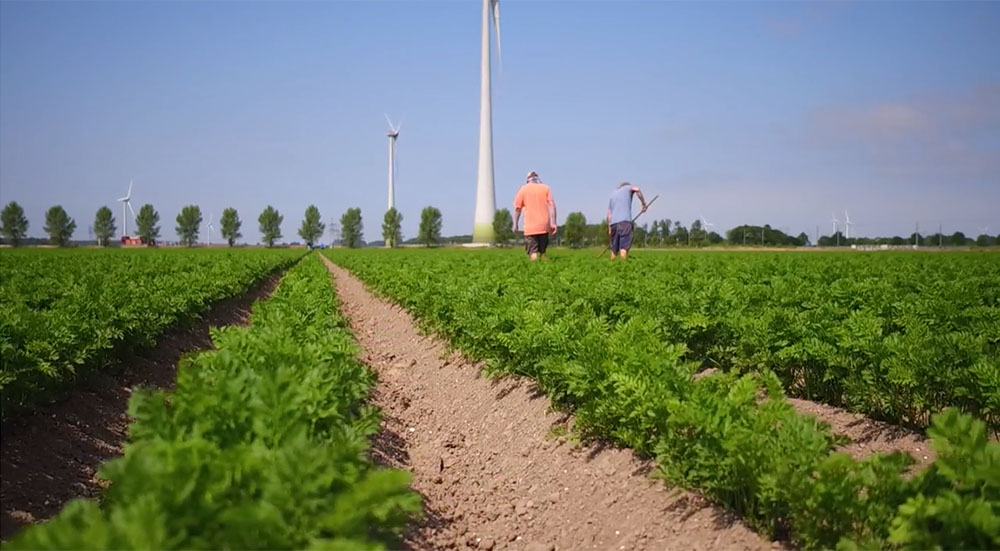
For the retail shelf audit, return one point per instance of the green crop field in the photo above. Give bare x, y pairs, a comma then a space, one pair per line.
66, 311
262, 445
906, 337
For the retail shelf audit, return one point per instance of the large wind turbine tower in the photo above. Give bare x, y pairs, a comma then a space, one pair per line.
482, 231
393, 134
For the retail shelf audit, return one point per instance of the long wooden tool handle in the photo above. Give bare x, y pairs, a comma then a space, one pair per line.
608, 246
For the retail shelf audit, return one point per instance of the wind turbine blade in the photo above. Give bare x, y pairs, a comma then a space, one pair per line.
389, 121
129, 194
130, 210
496, 26
396, 130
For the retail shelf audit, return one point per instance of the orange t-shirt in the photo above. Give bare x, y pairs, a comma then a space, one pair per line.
534, 199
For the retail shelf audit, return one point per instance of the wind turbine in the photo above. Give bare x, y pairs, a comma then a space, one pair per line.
834, 215
210, 228
393, 134
482, 231
126, 204
847, 224
707, 225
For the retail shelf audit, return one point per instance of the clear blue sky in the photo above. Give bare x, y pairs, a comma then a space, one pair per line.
746, 112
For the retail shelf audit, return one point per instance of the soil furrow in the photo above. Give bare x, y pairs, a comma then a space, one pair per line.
488, 460
53, 454
867, 435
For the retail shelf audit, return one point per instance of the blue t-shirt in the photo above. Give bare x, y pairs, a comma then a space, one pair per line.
620, 205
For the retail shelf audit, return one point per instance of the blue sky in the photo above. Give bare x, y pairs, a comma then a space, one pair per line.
749, 112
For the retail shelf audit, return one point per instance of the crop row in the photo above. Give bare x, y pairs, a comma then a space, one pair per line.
587, 334
263, 445
63, 312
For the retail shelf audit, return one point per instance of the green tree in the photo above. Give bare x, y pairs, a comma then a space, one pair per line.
430, 226
957, 239
351, 228
984, 240
391, 223
59, 226
803, 239
697, 232
188, 223
231, 223
503, 227
14, 225
575, 228
312, 227
146, 221
104, 226
270, 225
679, 236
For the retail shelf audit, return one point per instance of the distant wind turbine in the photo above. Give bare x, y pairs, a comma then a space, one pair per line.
482, 231
847, 224
393, 134
707, 224
126, 205
210, 228
834, 215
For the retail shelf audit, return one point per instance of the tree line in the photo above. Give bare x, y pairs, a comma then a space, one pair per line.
60, 227
575, 231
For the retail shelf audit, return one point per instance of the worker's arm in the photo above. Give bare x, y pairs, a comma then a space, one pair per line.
637, 191
517, 217
608, 221
552, 212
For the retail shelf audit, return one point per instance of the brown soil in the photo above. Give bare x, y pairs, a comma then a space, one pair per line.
867, 435
486, 457
52, 455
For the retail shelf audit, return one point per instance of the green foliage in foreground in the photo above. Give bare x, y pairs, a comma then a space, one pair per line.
261, 446
63, 312
620, 344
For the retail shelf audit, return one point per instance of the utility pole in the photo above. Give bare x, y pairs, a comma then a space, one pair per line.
916, 236
940, 236
762, 236
816, 243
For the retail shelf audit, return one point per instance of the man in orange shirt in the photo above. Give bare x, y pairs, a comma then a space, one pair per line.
535, 199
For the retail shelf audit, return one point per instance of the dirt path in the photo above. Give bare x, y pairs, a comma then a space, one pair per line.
52, 456
493, 476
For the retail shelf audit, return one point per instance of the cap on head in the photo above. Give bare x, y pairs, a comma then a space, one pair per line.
623, 184
531, 175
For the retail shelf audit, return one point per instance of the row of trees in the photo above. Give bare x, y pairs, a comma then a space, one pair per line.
575, 232
60, 226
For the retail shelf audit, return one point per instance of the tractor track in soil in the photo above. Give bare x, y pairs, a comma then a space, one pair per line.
485, 459
53, 454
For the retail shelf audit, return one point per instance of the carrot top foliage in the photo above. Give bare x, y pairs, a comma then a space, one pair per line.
63, 312
911, 338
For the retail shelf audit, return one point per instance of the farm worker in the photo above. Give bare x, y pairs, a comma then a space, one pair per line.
535, 199
620, 218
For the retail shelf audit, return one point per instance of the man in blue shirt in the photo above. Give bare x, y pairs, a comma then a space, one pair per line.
620, 218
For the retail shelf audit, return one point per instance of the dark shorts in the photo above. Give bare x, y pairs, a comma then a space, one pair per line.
621, 236
536, 243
